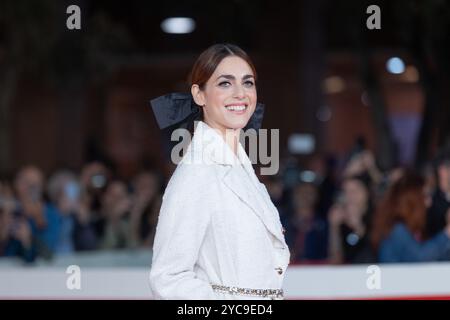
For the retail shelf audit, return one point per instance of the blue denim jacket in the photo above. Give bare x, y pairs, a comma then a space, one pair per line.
401, 246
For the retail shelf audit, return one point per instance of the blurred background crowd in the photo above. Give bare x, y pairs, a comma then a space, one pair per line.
336, 211
363, 117
69, 212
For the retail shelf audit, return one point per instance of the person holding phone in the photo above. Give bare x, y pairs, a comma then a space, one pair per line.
16, 239
350, 223
399, 228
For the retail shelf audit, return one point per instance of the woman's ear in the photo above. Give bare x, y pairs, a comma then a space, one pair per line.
198, 95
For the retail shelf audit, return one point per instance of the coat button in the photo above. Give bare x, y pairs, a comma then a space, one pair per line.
279, 270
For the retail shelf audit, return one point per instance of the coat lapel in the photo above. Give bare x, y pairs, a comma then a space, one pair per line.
242, 188
209, 146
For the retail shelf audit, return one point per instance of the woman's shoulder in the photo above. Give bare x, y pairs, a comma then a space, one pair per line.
400, 230
400, 227
191, 176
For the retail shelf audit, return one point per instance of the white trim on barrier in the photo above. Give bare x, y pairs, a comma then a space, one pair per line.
301, 282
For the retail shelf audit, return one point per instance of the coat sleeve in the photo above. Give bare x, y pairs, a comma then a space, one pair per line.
182, 224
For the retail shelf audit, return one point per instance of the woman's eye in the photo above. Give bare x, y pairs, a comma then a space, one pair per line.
249, 83
224, 84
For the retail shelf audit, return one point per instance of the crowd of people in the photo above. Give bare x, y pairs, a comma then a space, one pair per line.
332, 213
70, 212
356, 213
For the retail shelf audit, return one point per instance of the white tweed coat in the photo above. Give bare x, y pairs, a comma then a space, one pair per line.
217, 225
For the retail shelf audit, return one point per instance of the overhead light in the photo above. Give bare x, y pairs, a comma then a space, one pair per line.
395, 65
334, 84
178, 25
301, 143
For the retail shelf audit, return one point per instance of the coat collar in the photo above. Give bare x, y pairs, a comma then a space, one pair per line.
209, 147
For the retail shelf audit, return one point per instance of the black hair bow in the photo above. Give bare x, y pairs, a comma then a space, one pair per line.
179, 110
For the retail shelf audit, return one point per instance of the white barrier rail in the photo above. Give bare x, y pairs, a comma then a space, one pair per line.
427, 280
392, 281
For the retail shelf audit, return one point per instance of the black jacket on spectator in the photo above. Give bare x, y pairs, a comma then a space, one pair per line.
356, 249
436, 217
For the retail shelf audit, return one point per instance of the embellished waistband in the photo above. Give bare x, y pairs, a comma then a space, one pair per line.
263, 293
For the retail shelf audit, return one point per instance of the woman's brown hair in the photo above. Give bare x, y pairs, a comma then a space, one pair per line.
403, 202
209, 59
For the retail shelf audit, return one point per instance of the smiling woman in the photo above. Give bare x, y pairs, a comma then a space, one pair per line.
219, 235
223, 82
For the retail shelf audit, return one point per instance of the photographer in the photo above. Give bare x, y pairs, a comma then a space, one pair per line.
350, 223
115, 211
399, 225
146, 203
436, 217
32, 208
94, 179
307, 230
15, 233
76, 231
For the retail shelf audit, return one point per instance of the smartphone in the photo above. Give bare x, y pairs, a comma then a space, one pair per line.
98, 181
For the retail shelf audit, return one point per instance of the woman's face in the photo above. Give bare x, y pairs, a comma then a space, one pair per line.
305, 195
116, 199
229, 96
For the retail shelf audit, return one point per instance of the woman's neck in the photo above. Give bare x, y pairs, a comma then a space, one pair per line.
230, 136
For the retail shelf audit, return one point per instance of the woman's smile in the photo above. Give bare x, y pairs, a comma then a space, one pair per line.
237, 108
